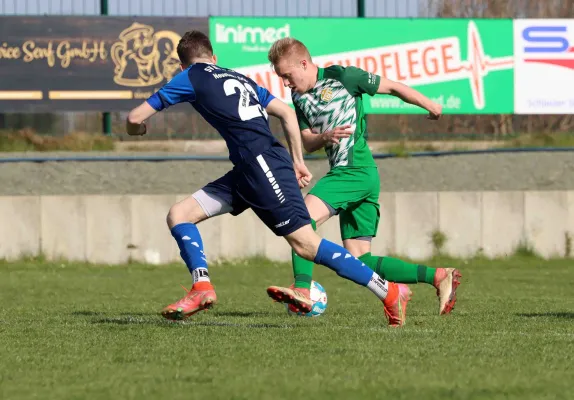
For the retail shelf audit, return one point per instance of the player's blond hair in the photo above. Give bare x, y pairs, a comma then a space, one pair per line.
287, 47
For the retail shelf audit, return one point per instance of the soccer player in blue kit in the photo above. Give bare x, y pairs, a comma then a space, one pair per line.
264, 177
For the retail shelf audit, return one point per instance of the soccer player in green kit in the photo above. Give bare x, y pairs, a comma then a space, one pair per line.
329, 107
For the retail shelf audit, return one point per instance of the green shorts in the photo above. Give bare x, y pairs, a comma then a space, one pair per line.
354, 193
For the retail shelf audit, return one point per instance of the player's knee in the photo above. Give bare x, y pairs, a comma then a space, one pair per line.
318, 210
302, 251
175, 216
185, 211
304, 242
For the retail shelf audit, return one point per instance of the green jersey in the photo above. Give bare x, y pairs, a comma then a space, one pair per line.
335, 100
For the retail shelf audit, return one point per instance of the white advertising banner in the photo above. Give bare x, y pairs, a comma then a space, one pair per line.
544, 66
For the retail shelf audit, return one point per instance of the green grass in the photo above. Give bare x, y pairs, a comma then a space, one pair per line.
519, 141
562, 139
71, 331
28, 140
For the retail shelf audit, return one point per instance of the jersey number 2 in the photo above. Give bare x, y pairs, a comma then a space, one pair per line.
246, 112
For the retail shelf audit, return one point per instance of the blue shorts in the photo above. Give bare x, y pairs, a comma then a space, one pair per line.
269, 187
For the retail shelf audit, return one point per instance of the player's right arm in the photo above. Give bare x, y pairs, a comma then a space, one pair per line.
135, 124
178, 90
313, 141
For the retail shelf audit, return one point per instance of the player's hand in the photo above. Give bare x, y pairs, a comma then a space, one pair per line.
435, 112
340, 132
303, 175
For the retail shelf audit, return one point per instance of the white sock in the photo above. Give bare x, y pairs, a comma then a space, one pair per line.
200, 275
379, 286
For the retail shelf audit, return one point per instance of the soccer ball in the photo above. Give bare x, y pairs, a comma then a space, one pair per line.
319, 299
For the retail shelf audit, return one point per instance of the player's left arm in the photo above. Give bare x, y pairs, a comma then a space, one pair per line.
177, 90
359, 81
288, 119
409, 95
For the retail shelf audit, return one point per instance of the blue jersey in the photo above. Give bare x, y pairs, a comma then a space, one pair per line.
229, 101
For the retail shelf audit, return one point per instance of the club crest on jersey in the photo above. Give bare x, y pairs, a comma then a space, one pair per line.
326, 95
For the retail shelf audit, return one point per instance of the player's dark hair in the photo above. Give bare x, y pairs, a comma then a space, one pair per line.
194, 44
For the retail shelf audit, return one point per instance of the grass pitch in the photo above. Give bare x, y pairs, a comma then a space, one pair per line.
70, 331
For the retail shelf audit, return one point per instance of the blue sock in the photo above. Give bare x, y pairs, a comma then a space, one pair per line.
191, 250
343, 263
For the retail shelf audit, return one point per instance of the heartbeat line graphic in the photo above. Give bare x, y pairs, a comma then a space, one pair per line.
478, 65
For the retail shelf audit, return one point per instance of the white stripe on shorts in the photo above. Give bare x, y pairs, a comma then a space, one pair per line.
272, 181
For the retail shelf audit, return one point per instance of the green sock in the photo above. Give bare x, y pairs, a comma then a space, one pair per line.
303, 269
395, 270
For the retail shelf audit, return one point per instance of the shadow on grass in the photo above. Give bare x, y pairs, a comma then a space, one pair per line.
243, 314
131, 320
563, 315
101, 313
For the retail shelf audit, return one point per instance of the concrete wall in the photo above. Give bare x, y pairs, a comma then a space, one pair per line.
114, 229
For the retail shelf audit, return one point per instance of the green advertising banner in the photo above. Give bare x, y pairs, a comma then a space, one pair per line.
465, 65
